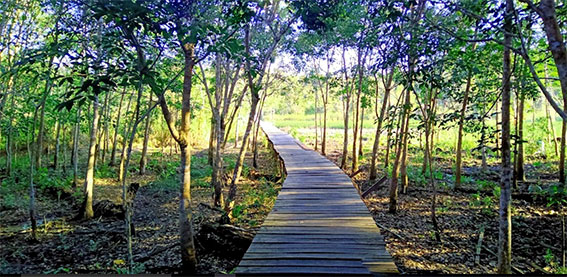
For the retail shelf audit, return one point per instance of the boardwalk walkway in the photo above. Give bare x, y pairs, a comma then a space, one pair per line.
319, 224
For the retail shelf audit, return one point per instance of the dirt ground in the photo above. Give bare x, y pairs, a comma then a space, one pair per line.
461, 214
99, 245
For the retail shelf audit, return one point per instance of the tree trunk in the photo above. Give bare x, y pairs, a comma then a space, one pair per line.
505, 220
236, 132
75, 154
32, 211
497, 135
360, 152
105, 132
259, 118
394, 178
57, 144
551, 130
520, 175
404, 159
562, 152
144, 159
116, 127
89, 178
211, 149
124, 143
188, 255
316, 131
459, 150
346, 105
254, 90
380, 120
357, 114
242, 154
324, 139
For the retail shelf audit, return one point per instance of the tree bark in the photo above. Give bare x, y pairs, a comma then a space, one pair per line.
89, 178
520, 175
459, 150
144, 159
57, 144
188, 254
75, 154
394, 178
505, 222
106, 115
357, 114
404, 158
116, 127
346, 109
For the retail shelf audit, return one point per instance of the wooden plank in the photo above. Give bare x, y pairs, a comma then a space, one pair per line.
303, 262
319, 230
303, 270
319, 224
321, 256
311, 248
321, 236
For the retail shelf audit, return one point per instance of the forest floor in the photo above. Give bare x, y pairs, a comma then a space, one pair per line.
99, 245
462, 214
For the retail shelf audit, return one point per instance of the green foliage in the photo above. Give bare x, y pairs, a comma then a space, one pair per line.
238, 211
484, 203
551, 261
555, 194
105, 171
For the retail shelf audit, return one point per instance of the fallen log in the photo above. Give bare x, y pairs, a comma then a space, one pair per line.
390, 231
374, 187
514, 268
356, 173
479, 245
155, 252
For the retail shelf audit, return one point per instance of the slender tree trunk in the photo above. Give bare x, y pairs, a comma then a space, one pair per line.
211, 150
242, 154
520, 175
32, 209
218, 164
254, 90
75, 154
236, 132
124, 144
57, 144
89, 178
551, 130
116, 128
144, 158
404, 158
505, 220
360, 152
259, 118
394, 178
549, 118
388, 146
562, 152
40, 134
497, 135
316, 131
324, 139
357, 115
346, 105
458, 163
106, 123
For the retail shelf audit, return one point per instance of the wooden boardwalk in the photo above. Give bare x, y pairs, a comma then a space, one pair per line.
319, 225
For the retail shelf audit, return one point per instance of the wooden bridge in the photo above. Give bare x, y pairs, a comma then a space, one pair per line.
319, 225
